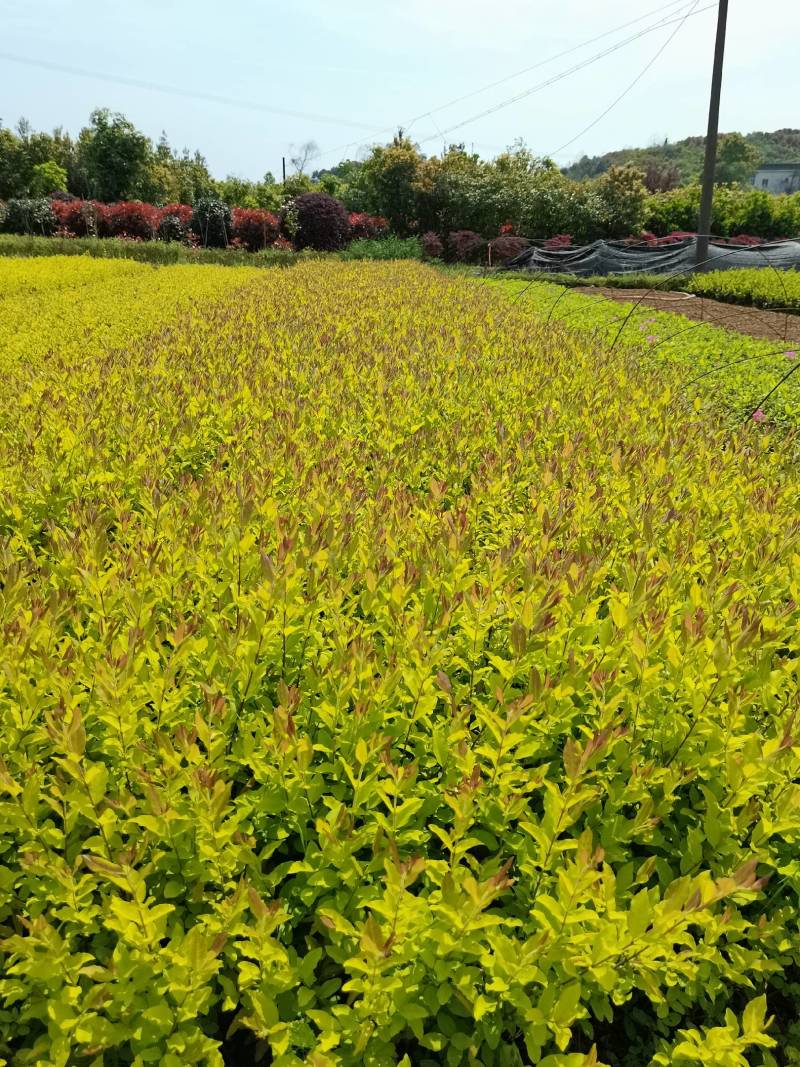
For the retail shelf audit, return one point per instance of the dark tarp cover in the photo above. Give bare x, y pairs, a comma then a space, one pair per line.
616, 257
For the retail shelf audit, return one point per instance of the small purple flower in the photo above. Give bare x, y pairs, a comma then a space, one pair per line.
651, 337
791, 354
759, 416
649, 320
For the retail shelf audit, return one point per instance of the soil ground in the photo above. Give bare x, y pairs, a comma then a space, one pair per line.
775, 326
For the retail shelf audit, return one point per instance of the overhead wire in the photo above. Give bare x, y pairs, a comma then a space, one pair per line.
632, 84
550, 59
192, 94
565, 73
668, 17
659, 24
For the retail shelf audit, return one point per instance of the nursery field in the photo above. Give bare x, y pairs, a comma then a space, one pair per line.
389, 676
762, 287
738, 375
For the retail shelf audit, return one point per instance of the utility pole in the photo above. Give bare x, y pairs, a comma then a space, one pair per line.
707, 199
283, 158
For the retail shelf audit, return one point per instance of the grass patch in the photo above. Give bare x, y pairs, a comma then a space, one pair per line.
158, 253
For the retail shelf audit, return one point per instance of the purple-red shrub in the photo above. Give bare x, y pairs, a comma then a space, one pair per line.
320, 222
745, 239
675, 237
507, 247
432, 247
130, 218
369, 227
78, 218
466, 246
560, 240
254, 229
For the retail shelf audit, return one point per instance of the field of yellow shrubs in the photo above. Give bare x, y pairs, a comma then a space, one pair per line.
387, 676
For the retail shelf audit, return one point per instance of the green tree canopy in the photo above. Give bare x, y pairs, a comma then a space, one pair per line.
48, 178
389, 180
114, 157
737, 161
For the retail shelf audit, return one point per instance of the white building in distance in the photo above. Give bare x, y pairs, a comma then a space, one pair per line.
778, 178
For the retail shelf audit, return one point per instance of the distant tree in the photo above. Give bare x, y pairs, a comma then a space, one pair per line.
303, 155
269, 194
624, 198
389, 180
237, 192
737, 160
14, 165
113, 157
345, 172
452, 192
48, 178
296, 185
660, 176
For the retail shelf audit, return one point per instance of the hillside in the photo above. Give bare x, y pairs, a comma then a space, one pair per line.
686, 156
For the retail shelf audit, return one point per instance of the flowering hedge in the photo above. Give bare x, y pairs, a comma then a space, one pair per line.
29, 215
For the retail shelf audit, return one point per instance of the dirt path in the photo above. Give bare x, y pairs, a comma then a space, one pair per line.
775, 326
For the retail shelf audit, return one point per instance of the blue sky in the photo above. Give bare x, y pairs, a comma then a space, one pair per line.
368, 66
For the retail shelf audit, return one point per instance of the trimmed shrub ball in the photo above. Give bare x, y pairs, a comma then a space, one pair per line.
255, 229
508, 247
465, 246
432, 247
321, 222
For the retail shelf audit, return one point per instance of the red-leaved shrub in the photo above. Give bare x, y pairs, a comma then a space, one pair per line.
560, 240
130, 218
465, 246
254, 229
363, 226
744, 239
321, 222
675, 237
78, 218
432, 247
507, 247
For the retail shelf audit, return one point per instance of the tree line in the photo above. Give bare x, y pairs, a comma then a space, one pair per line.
110, 160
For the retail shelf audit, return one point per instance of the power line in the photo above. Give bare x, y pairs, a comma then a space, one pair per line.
550, 59
192, 94
635, 81
585, 44
566, 73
